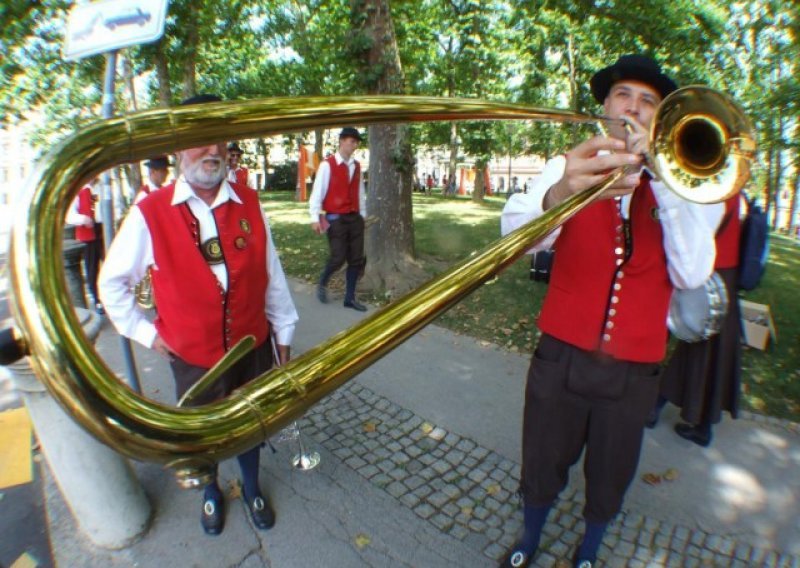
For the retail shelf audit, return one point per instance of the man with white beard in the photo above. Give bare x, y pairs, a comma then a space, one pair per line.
216, 278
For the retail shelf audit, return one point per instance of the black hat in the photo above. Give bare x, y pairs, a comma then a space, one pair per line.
234, 147
157, 163
350, 132
200, 99
635, 67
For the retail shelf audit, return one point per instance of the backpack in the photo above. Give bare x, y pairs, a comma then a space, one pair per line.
753, 246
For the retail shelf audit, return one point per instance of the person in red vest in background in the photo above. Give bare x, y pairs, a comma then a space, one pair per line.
86, 216
704, 378
594, 375
339, 192
216, 278
236, 172
157, 173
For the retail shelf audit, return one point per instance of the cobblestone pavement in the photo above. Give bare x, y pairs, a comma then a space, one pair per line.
469, 492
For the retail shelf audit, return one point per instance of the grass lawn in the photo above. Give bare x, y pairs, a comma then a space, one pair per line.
504, 310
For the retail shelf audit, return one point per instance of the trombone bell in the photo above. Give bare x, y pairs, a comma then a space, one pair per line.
702, 144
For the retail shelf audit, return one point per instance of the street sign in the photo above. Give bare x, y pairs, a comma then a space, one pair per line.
103, 26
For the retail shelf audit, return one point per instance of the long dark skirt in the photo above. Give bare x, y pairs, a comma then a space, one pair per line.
704, 378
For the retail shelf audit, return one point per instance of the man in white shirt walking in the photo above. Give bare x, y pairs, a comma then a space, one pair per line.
339, 192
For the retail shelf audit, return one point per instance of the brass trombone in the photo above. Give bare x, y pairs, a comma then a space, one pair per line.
190, 440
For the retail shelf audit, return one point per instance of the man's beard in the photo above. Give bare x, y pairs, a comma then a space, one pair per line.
197, 175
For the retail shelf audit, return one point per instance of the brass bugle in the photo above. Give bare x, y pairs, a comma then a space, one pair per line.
191, 440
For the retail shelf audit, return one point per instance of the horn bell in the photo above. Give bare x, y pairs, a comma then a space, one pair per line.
702, 144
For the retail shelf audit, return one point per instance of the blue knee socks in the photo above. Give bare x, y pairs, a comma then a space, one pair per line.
535, 518
591, 541
248, 463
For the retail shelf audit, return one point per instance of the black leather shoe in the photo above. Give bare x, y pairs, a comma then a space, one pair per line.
99, 309
693, 434
355, 305
516, 558
322, 294
582, 563
261, 512
213, 517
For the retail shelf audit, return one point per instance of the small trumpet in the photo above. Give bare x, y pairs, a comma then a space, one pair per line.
143, 291
191, 440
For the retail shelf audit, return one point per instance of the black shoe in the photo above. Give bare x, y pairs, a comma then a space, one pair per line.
260, 511
213, 517
355, 305
98, 307
693, 434
322, 294
516, 558
584, 563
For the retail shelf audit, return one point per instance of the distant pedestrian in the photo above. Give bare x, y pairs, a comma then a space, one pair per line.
337, 207
86, 216
236, 171
157, 173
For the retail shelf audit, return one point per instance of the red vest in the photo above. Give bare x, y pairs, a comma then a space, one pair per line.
597, 300
727, 239
87, 201
342, 194
197, 318
241, 176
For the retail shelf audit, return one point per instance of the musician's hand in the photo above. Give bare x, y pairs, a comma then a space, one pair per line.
283, 354
88, 222
161, 347
585, 169
638, 138
317, 228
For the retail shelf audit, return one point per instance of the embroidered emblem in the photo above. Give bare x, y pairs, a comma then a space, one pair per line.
654, 214
212, 251
240, 243
244, 225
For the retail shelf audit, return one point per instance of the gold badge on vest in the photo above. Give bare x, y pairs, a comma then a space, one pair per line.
212, 250
240, 243
244, 225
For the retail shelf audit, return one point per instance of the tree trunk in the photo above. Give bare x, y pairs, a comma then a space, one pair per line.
390, 235
479, 189
190, 64
263, 145
162, 72
134, 171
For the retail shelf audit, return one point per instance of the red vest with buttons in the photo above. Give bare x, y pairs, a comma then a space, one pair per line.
342, 194
597, 300
727, 239
87, 201
197, 318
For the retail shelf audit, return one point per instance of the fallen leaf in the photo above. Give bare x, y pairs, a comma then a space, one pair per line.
466, 511
426, 428
670, 475
234, 489
362, 541
493, 489
369, 426
651, 478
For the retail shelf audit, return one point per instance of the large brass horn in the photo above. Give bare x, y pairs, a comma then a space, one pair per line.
190, 440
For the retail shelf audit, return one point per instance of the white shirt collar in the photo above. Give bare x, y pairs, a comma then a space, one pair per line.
340, 159
184, 192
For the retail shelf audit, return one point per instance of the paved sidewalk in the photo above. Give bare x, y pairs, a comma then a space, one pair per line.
420, 462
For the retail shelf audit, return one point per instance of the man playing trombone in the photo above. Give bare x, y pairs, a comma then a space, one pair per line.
594, 374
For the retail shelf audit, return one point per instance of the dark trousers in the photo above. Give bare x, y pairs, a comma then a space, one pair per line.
257, 361
576, 399
93, 254
346, 242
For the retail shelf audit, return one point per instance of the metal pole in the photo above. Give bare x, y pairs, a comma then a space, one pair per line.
107, 207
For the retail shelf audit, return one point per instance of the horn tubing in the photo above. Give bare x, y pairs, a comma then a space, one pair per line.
87, 389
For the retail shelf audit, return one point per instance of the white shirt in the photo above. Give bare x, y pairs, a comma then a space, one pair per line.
323, 180
131, 254
688, 227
